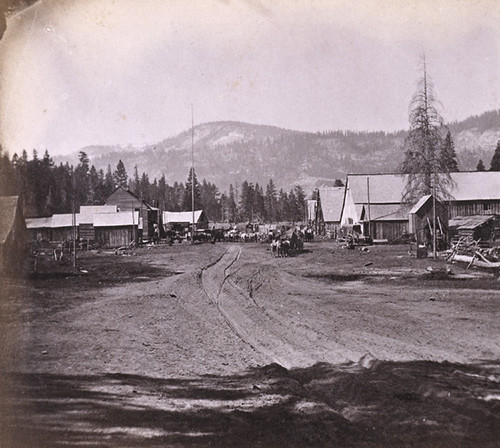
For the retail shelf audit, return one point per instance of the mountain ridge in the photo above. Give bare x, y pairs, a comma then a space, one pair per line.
229, 152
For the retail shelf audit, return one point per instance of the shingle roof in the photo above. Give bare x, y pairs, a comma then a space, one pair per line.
8, 209
332, 200
181, 217
469, 222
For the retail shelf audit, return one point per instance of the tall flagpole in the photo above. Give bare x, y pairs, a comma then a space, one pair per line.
193, 226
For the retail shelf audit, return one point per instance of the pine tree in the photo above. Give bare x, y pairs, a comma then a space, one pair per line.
448, 156
231, 205
480, 166
187, 201
495, 160
120, 175
425, 172
270, 202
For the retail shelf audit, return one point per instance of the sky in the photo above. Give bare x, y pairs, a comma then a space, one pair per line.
103, 72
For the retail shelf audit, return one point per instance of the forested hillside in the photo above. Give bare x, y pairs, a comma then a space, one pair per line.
230, 152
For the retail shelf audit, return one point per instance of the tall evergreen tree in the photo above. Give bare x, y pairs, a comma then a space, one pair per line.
495, 160
270, 202
448, 154
480, 166
231, 205
187, 201
120, 175
425, 172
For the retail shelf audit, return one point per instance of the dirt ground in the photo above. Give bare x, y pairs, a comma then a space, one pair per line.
225, 346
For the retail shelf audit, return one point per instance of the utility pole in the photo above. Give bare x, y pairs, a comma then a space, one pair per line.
369, 216
434, 216
193, 226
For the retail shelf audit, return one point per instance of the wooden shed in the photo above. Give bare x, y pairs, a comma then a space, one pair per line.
421, 222
476, 227
12, 235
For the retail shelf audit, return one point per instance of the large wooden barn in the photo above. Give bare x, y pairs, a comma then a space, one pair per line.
374, 201
12, 235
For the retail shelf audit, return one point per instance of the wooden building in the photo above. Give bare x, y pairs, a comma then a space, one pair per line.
329, 210
181, 221
12, 235
374, 200
485, 228
149, 217
421, 222
116, 229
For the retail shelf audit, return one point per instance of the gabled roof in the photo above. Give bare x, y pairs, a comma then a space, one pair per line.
420, 204
8, 211
388, 188
332, 200
181, 217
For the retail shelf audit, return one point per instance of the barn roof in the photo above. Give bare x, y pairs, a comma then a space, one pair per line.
477, 185
332, 200
384, 188
181, 217
8, 211
387, 188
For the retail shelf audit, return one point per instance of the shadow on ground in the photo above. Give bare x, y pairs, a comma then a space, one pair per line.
367, 404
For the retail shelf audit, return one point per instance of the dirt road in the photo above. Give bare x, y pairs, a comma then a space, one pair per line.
224, 345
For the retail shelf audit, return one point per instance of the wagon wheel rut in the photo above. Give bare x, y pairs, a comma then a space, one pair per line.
252, 324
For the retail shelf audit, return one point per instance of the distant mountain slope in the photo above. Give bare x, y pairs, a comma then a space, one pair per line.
230, 152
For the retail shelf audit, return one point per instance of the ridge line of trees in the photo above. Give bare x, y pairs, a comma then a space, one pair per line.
46, 188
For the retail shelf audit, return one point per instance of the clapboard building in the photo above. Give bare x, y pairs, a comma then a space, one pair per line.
149, 216
374, 201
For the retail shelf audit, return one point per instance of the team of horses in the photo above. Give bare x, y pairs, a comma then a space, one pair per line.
282, 245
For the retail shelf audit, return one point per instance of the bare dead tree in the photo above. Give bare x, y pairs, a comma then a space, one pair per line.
426, 172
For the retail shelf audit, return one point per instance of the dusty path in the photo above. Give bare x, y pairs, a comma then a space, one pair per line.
175, 347
263, 331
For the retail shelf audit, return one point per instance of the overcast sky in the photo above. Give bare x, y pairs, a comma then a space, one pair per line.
77, 73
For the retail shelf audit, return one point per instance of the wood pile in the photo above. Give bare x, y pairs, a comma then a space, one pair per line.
471, 252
